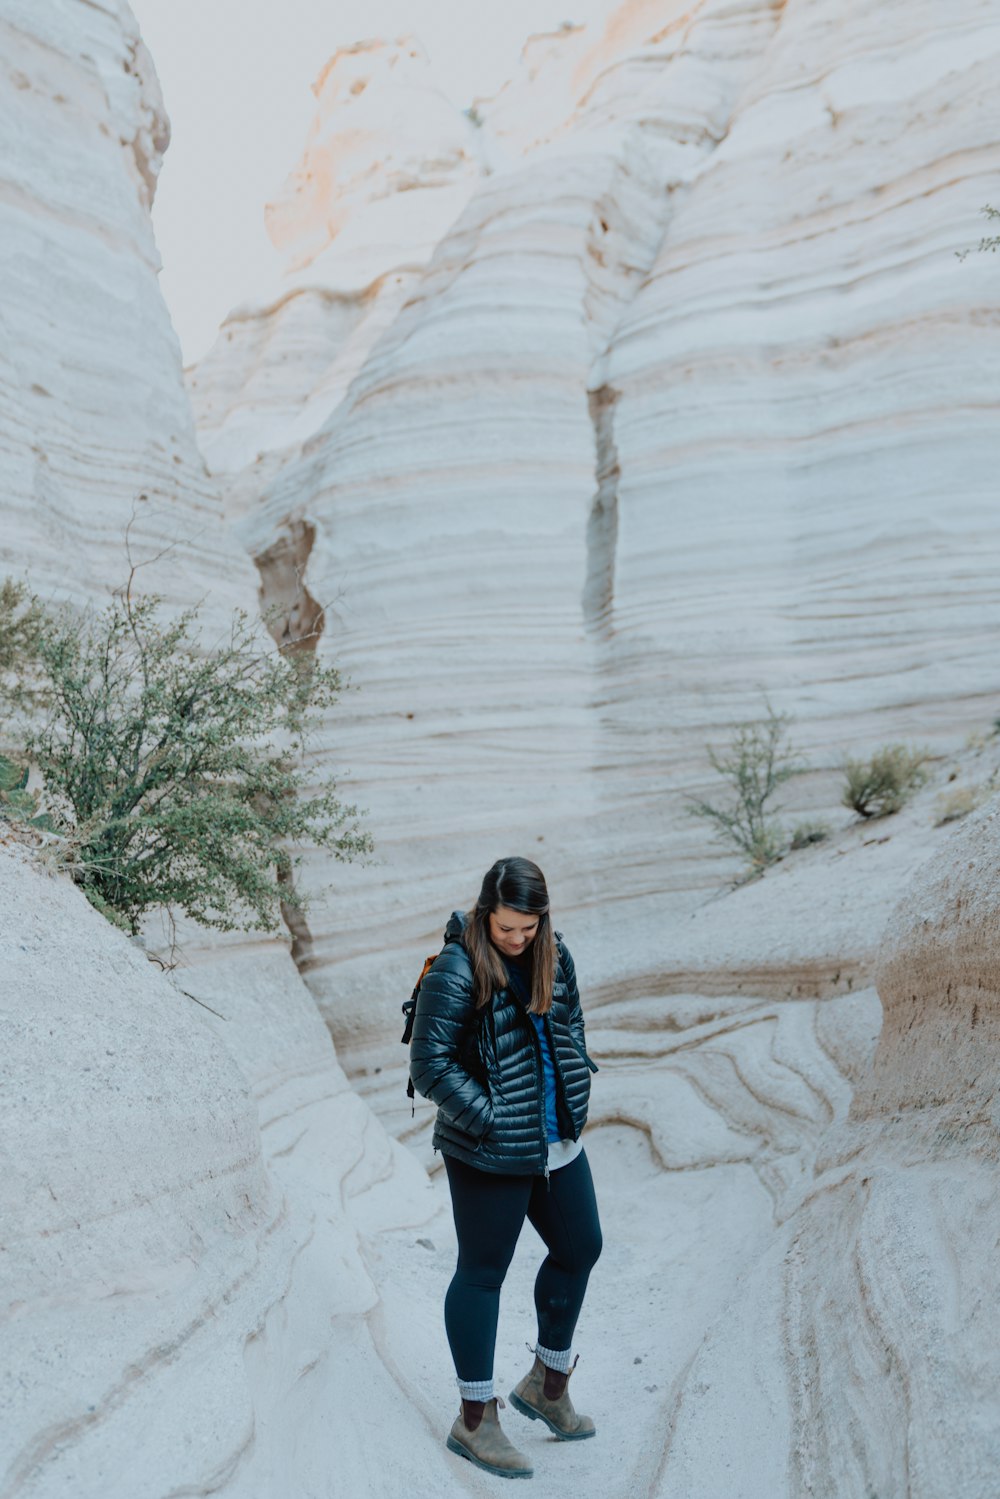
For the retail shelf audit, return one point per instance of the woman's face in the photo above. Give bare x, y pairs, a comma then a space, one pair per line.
512, 931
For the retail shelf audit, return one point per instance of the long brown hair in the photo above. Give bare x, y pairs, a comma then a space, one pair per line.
519, 884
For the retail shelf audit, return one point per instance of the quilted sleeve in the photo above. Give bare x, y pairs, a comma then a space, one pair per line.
441, 1024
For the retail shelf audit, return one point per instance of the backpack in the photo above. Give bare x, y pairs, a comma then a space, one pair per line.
409, 1009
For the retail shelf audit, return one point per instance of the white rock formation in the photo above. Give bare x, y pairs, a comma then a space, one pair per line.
801, 403
388, 166
691, 400
93, 420
805, 1229
542, 659
870, 1324
186, 1195
693, 403
382, 131
187, 1192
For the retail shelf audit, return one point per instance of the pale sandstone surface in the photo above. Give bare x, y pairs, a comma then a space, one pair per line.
796, 1297
883, 1284
833, 1202
706, 1122
187, 1196
388, 166
450, 497
735, 1094
743, 1251
805, 386
92, 408
382, 130
184, 1211
715, 270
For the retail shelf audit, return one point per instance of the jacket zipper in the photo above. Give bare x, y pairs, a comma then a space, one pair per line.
542, 1126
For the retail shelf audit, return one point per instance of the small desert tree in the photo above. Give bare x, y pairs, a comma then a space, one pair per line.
173, 767
758, 760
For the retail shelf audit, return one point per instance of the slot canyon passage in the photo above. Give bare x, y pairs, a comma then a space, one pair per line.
577, 425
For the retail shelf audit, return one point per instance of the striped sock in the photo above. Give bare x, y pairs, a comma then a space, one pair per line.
555, 1358
475, 1389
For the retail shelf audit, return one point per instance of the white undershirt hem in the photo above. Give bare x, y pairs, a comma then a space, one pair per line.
561, 1152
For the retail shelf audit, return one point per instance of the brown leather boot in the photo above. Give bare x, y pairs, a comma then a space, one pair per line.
478, 1436
542, 1395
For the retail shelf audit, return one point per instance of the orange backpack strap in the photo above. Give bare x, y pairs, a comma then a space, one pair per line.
428, 965
411, 1004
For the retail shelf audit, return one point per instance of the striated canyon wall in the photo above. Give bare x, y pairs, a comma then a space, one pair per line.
189, 1183
859, 1353
94, 424
579, 421
693, 403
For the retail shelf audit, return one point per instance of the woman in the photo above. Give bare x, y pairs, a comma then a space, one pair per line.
498, 1045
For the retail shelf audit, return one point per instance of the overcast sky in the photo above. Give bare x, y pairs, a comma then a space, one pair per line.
236, 77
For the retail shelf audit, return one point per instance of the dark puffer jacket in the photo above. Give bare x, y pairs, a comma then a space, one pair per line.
483, 1068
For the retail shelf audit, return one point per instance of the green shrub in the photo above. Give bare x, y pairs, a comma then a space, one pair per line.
174, 770
756, 763
881, 785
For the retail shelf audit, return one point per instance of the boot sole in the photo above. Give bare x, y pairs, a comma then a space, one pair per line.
454, 1445
533, 1415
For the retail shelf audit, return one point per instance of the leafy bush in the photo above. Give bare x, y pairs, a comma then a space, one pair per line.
161, 761
757, 762
881, 785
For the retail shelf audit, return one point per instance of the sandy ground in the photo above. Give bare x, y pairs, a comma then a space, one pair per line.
671, 1241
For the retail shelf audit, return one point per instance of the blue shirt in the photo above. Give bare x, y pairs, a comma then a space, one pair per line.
552, 1130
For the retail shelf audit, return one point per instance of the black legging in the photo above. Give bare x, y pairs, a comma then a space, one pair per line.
490, 1210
